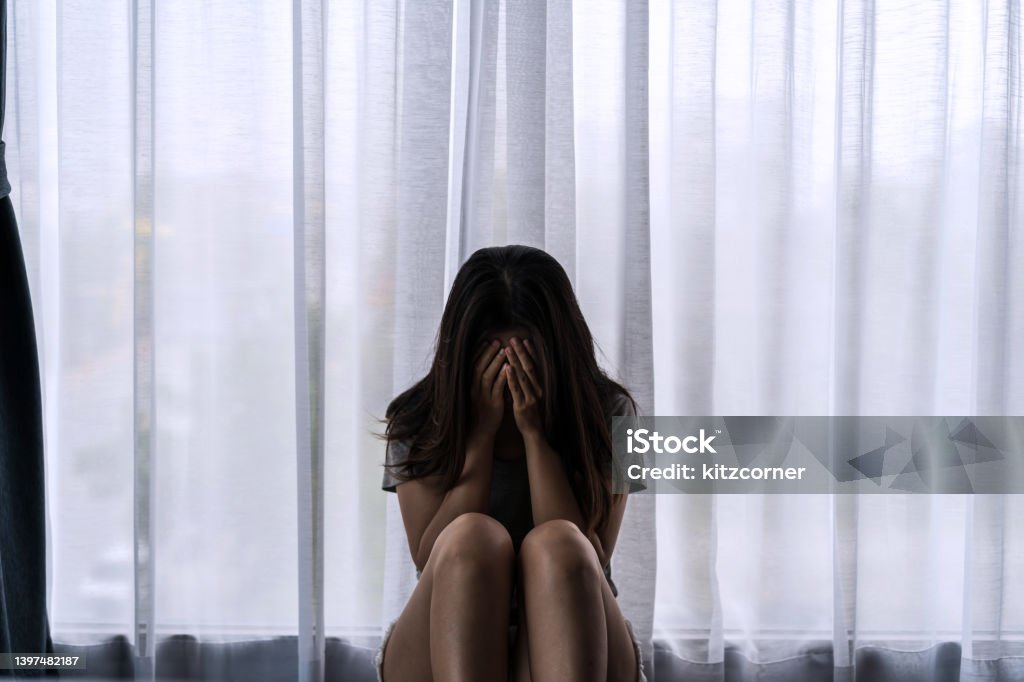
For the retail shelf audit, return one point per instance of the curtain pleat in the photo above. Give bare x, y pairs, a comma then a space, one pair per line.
853, 150
143, 25
999, 213
308, 177
636, 559
559, 141
474, 100
526, 53
421, 159
381, 357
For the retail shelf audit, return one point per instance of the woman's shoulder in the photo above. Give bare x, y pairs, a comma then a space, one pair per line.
396, 452
618, 402
621, 404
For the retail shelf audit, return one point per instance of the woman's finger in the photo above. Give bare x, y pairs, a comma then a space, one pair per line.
484, 357
529, 349
513, 385
513, 357
498, 388
525, 390
528, 391
527, 367
491, 371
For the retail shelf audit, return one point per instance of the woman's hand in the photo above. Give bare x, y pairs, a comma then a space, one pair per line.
488, 391
525, 386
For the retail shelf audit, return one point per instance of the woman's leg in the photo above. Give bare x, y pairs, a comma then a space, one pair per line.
520, 648
575, 630
455, 625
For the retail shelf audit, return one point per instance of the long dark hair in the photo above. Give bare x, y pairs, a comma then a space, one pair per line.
502, 287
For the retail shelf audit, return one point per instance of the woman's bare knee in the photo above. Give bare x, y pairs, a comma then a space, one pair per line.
558, 550
473, 542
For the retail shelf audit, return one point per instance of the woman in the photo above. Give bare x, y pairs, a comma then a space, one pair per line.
501, 458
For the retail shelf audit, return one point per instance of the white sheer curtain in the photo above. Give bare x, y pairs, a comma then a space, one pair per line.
241, 220
836, 228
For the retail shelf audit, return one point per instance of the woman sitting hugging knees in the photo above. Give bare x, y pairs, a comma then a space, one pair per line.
501, 458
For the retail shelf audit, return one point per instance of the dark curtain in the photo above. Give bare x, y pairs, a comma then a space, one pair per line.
24, 627
23, 620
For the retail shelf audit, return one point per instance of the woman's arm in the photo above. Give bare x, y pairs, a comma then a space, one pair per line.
551, 497
426, 511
